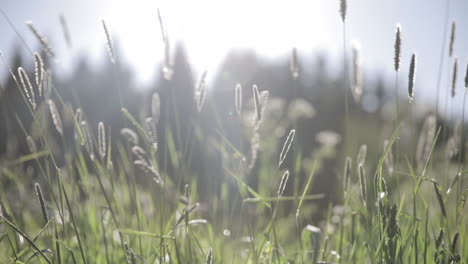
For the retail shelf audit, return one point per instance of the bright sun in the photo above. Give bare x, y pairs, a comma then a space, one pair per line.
210, 29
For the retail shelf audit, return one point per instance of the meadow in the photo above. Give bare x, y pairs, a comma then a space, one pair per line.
130, 191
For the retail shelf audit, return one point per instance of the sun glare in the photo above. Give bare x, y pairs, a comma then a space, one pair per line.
209, 29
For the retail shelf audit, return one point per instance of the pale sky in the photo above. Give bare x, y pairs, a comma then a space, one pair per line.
210, 28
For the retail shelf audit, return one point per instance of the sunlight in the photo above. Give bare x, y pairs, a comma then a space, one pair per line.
209, 29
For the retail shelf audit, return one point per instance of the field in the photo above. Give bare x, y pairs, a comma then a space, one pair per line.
135, 188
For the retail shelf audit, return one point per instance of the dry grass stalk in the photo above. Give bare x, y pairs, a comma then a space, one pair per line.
41, 38
286, 146
209, 258
88, 142
27, 87
42, 202
39, 71
389, 158
238, 99
294, 64
66, 32
466, 76
55, 116
454, 76
452, 38
254, 147
347, 174
454, 142
167, 67
411, 76
397, 46
260, 101
150, 127
130, 136
140, 154
102, 149
361, 156
426, 138
362, 184
200, 92
110, 47
283, 182
155, 108
356, 84
343, 7
9, 69
47, 85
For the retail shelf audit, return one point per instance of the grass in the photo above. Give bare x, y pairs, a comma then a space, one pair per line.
125, 206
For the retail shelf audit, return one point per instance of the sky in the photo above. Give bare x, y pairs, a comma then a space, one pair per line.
211, 28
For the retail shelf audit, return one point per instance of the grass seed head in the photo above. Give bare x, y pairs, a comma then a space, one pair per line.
148, 170
260, 102
130, 136
66, 32
452, 38
41, 38
283, 182
347, 174
56, 119
411, 76
155, 108
362, 184
37, 187
294, 64
397, 47
466, 77
361, 156
343, 8
356, 84
27, 87
150, 127
286, 146
110, 47
209, 257
102, 140
426, 138
39, 71
200, 92
454, 76
238, 99
88, 140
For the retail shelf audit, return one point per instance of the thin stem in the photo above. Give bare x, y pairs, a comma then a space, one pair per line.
346, 83
411, 125
397, 119
442, 57
462, 140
